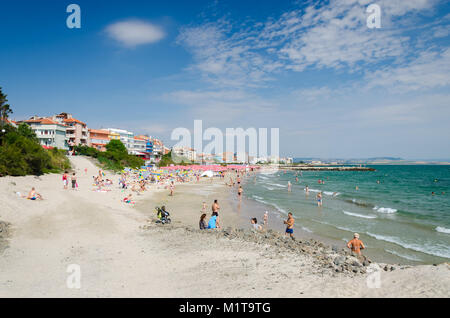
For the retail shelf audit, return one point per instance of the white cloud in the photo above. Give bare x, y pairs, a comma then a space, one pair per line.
333, 36
132, 33
430, 70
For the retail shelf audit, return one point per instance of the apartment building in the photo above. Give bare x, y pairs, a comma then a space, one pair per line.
76, 131
98, 139
126, 137
49, 132
185, 152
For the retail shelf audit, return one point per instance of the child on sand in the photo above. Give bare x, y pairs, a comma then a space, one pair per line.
74, 181
33, 195
172, 188
65, 178
128, 199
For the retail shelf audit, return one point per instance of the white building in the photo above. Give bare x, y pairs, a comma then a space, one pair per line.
139, 147
49, 132
126, 137
186, 152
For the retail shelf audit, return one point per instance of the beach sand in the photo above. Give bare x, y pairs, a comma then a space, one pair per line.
122, 253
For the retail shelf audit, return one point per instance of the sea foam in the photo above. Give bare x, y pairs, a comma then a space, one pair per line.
442, 229
385, 210
441, 251
360, 215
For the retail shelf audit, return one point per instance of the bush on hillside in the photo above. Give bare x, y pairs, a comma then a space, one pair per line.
115, 157
21, 154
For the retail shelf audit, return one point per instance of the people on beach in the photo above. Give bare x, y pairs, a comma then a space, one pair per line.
255, 225
74, 181
240, 190
289, 186
319, 199
290, 225
33, 195
213, 222
266, 219
172, 188
356, 245
202, 223
128, 199
65, 179
307, 190
215, 207
204, 207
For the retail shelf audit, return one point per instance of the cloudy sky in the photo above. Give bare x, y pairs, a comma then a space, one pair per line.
313, 69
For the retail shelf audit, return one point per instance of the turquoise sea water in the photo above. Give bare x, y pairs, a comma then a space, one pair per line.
397, 217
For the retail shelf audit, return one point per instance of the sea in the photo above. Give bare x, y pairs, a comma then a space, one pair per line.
393, 208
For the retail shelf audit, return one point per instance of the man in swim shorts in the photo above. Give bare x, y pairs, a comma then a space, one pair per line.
356, 245
290, 225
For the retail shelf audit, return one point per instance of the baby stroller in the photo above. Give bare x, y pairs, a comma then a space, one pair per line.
163, 215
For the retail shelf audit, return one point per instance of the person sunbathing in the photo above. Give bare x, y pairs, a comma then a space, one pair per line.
33, 195
128, 199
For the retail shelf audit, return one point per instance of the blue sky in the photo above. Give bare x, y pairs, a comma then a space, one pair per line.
334, 87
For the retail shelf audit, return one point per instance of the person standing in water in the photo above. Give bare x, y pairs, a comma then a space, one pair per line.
356, 245
240, 193
307, 190
319, 199
290, 225
289, 186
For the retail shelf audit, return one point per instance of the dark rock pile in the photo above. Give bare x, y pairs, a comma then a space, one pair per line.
330, 259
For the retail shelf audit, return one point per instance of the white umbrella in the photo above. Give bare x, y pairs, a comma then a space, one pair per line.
208, 174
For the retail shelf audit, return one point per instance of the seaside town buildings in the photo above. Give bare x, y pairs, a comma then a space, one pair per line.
185, 152
63, 131
125, 136
51, 134
76, 131
98, 139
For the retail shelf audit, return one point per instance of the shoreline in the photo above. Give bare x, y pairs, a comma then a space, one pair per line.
123, 253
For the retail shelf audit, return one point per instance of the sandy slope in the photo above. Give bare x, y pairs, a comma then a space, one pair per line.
120, 258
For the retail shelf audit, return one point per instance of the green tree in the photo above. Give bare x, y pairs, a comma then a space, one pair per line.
5, 109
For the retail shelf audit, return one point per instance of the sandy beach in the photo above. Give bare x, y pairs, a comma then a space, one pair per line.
123, 253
